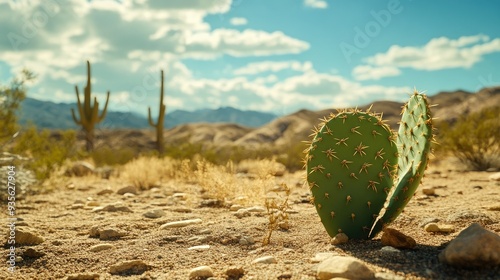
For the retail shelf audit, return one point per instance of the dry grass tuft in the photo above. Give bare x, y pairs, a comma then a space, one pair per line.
276, 212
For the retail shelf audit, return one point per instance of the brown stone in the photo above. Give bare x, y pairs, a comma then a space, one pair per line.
396, 239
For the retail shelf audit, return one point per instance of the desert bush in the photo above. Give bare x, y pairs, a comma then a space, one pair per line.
474, 138
147, 172
107, 156
277, 213
47, 152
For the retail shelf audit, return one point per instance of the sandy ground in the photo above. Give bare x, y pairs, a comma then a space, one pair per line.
460, 199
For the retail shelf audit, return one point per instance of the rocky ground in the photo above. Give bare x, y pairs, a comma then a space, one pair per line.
91, 228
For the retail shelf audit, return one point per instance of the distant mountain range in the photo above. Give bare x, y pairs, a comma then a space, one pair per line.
46, 114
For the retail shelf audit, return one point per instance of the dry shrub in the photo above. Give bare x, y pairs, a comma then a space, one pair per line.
277, 215
147, 172
261, 167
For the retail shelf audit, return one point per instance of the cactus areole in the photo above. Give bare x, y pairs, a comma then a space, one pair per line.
362, 174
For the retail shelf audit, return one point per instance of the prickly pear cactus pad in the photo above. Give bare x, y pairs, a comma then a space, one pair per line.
350, 167
414, 145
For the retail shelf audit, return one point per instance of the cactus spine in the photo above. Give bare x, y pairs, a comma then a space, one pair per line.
362, 174
161, 120
89, 114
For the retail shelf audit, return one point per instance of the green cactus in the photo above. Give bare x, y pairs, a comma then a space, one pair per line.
355, 160
89, 114
161, 119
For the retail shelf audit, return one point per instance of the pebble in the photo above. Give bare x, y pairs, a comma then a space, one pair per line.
473, 247
346, 267
179, 224
394, 238
116, 207
133, 267
265, 260
199, 248
154, 214
26, 236
427, 221
32, 253
128, 195
182, 210
241, 213
340, 238
77, 206
319, 257
284, 225
101, 247
181, 196
246, 240
428, 191
235, 207
105, 191
389, 250
201, 272
127, 189
434, 227
107, 234
256, 209
235, 272
495, 177
83, 276
92, 204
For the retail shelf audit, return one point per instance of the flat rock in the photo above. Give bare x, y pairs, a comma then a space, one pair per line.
241, 213
389, 250
108, 234
346, 267
434, 227
83, 276
127, 189
265, 260
105, 191
179, 224
133, 267
319, 257
199, 248
495, 176
256, 209
473, 247
201, 272
33, 253
154, 214
101, 247
116, 207
340, 238
26, 236
394, 238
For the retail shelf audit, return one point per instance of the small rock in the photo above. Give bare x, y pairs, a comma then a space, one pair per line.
256, 209
128, 195
235, 272
246, 240
434, 227
32, 253
105, 191
389, 250
396, 239
83, 276
346, 267
199, 248
154, 214
94, 231
182, 210
284, 225
235, 207
319, 257
340, 238
495, 177
241, 213
212, 203
77, 206
265, 260
127, 189
101, 247
117, 207
201, 272
26, 236
92, 204
179, 224
108, 234
428, 191
181, 196
388, 276
427, 221
286, 275
133, 267
473, 247
80, 169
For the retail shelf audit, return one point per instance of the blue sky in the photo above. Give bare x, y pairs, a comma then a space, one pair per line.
276, 56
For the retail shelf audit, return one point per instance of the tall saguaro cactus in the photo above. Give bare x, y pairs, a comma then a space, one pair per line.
89, 114
161, 120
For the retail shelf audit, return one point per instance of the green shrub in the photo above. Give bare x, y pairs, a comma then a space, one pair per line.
474, 138
107, 156
47, 151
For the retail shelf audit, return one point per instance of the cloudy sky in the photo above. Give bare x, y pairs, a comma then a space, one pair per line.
275, 55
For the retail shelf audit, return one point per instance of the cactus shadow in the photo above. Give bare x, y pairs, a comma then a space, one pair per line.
420, 262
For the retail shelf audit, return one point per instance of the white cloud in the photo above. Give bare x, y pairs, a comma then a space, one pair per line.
238, 21
273, 66
317, 4
368, 72
438, 53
